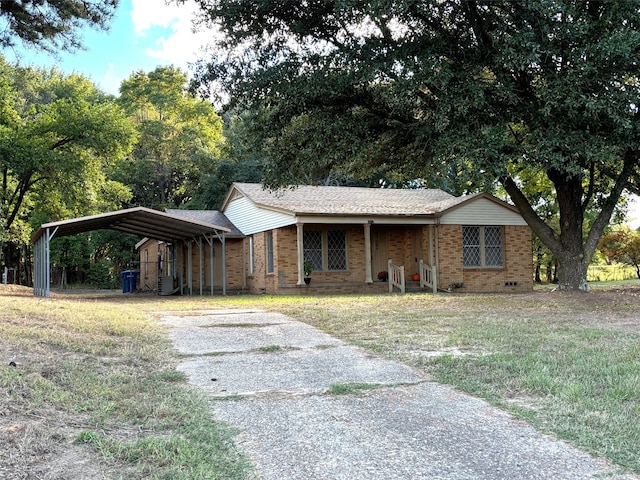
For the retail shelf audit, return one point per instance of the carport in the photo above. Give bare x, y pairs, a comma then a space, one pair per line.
140, 221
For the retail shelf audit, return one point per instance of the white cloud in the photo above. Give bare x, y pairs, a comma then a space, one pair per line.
147, 14
177, 44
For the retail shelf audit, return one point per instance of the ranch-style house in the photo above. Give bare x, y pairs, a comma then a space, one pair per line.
351, 240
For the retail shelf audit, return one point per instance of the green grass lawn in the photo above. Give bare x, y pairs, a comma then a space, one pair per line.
567, 363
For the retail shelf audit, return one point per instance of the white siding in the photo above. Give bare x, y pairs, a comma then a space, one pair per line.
250, 219
482, 211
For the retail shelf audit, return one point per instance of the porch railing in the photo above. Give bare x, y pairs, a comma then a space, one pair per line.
396, 277
428, 276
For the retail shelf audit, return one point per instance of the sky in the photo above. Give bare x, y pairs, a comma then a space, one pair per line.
143, 35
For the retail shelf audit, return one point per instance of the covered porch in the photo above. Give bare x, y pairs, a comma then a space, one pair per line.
395, 253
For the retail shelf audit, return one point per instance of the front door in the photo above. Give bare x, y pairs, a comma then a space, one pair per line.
379, 251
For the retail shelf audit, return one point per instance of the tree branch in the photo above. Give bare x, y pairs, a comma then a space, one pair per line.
631, 158
546, 233
589, 195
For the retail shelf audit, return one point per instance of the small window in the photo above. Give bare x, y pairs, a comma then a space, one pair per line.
269, 252
482, 247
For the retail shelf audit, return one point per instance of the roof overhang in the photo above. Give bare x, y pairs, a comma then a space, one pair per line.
141, 221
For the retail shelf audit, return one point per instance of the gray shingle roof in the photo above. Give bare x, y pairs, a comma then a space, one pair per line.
350, 200
211, 217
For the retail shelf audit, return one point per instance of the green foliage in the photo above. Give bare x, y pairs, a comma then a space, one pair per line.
101, 275
52, 24
58, 135
454, 93
622, 245
180, 138
308, 268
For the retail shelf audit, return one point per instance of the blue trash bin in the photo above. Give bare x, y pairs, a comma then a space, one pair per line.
129, 280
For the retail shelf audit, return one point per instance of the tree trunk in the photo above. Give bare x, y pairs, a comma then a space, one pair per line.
572, 252
572, 272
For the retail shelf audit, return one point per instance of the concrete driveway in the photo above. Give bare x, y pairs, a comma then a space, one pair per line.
275, 374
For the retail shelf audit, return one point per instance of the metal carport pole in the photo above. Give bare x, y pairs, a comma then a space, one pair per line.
200, 271
42, 280
221, 237
210, 242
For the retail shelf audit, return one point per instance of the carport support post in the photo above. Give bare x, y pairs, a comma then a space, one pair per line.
200, 271
42, 270
224, 265
190, 266
210, 241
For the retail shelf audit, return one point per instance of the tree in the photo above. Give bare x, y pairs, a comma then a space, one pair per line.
180, 138
52, 24
622, 245
58, 136
431, 88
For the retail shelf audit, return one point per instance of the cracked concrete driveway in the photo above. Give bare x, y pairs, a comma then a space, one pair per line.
277, 372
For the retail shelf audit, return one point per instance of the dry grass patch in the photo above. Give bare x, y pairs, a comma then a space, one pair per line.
88, 381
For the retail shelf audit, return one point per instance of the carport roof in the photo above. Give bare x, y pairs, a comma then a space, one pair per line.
139, 221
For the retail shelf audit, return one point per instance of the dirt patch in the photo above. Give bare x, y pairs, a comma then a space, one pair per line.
40, 448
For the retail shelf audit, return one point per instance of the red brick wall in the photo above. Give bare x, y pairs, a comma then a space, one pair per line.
405, 245
518, 264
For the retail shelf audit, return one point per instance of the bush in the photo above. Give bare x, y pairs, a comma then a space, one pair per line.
101, 276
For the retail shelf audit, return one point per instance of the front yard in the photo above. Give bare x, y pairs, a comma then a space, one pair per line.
94, 381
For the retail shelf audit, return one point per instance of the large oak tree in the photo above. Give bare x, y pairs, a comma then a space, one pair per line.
434, 88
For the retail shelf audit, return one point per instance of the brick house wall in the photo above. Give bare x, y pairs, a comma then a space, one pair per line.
518, 262
406, 245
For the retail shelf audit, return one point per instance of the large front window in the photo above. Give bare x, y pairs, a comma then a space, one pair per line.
482, 247
326, 249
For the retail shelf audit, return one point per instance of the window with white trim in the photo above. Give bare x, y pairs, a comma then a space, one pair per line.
482, 247
326, 249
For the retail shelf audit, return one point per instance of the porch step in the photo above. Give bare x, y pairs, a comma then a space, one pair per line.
413, 287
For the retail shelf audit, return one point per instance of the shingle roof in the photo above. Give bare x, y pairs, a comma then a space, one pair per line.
211, 217
312, 200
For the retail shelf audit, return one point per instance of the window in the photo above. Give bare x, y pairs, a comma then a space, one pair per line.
326, 250
482, 246
313, 248
336, 250
269, 252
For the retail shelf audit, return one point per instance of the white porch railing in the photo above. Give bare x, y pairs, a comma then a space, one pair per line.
428, 276
396, 277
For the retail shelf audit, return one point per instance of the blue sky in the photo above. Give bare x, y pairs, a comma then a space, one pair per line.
143, 35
